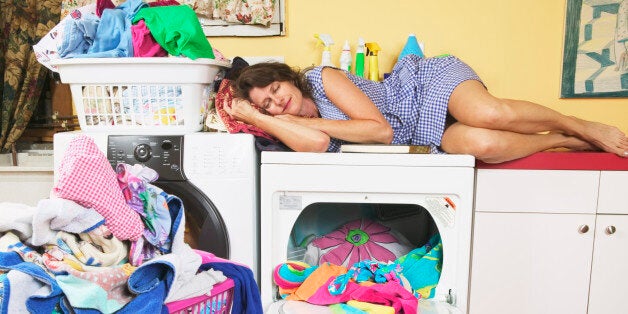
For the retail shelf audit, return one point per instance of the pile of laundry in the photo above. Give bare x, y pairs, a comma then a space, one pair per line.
132, 29
106, 241
362, 267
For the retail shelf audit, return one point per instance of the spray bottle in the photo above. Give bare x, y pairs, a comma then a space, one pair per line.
359, 58
345, 57
371, 51
326, 41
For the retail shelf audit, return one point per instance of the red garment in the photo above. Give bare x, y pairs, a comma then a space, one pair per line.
144, 44
224, 96
101, 5
161, 3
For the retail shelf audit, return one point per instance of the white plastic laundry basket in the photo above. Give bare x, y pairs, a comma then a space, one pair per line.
140, 95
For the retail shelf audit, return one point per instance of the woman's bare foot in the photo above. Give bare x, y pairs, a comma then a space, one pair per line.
608, 138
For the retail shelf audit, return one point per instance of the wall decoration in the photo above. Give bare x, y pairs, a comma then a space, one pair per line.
595, 59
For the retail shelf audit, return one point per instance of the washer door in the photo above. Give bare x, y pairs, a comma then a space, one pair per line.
204, 228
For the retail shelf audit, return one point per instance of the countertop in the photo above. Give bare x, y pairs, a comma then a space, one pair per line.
563, 161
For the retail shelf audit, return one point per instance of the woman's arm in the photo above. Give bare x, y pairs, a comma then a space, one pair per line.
366, 124
298, 137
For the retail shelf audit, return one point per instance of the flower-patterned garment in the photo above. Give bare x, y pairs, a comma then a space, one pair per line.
250, 12
201, 7
357, 241
245, 11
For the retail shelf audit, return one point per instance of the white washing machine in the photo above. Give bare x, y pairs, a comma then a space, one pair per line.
214, 174
310, 190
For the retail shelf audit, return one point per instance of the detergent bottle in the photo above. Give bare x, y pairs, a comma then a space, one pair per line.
326, 41
345, 57
412, 47
359, 58
372, 49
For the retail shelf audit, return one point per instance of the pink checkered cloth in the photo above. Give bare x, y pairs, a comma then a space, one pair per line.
86, 177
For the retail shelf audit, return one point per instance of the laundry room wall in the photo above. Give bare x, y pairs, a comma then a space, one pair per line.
516, 47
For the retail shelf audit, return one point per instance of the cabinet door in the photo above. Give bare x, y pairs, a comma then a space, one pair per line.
613, 196
609, 276
531, 263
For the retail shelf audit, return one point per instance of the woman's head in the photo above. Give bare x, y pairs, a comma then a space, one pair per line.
262, 74
276, 88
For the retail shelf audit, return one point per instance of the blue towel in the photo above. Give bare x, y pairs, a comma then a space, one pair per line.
35, 303
246, 296
151, 282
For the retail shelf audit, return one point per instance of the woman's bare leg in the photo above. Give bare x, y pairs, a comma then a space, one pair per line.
493, 146
472, 105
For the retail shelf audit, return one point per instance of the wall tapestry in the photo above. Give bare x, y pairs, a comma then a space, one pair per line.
595, 60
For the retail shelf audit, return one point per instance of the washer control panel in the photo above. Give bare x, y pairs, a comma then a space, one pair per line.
162, 153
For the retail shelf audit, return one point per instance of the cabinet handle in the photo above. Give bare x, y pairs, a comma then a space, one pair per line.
610, 230
583, 229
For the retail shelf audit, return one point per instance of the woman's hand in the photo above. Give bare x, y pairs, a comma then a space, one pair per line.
242, 110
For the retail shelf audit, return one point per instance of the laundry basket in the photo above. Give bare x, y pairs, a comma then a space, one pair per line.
219, 301
140, 95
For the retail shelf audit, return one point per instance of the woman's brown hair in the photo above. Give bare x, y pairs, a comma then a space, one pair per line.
262, 74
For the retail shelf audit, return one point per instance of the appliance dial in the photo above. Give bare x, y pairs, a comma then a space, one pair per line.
142, 152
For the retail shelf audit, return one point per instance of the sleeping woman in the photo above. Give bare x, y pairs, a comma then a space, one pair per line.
440, 102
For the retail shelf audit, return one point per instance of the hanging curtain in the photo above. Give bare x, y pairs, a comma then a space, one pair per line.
23, 23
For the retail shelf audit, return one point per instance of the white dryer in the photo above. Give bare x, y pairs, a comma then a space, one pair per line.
214, 174
308, 190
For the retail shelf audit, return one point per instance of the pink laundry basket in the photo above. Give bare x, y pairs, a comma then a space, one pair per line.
219, 301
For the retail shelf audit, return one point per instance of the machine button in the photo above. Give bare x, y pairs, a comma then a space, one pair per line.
166, 145
142, 152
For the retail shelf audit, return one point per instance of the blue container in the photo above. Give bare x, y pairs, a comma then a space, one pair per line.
411, 47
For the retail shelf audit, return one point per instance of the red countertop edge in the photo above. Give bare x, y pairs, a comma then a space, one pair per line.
563, 161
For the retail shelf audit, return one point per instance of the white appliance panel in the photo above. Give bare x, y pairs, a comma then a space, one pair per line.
290, 182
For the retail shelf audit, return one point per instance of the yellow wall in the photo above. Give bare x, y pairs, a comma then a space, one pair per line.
515, 46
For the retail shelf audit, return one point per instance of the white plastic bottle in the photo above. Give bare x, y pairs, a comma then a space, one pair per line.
345, 57
326, 41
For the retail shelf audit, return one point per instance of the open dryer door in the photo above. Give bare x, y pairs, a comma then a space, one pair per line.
298, 307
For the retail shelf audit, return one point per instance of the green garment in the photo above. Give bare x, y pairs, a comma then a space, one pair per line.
177, 29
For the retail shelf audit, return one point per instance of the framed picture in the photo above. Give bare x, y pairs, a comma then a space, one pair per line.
595, 59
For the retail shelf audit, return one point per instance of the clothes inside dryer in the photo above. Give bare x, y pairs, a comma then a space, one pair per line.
375, 242
405, 227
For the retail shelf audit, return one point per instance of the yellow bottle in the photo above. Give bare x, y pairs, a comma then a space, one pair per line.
371, 51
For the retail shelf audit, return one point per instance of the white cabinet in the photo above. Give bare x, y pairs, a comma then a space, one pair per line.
609, 276
550, 241
25, 186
